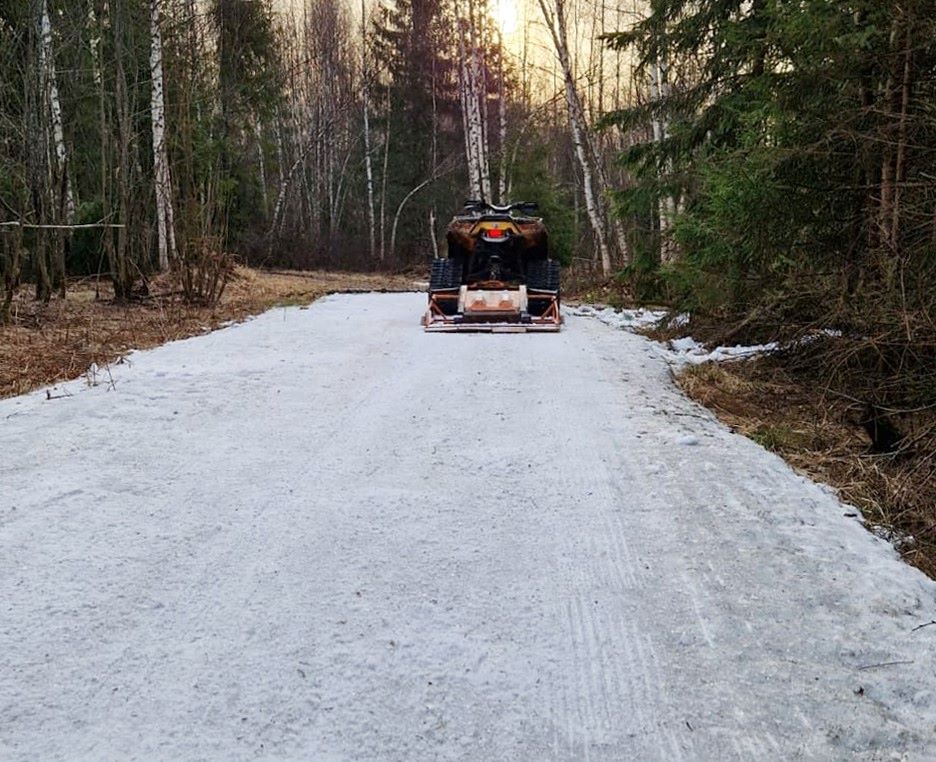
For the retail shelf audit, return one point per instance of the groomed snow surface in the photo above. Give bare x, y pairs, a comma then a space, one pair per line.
326, 535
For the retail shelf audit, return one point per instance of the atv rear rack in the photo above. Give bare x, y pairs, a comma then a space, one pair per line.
492, 307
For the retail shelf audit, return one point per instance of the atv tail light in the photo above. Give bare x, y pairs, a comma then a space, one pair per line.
494, 233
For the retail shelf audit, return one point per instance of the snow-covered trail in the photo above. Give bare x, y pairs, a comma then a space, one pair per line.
326, 535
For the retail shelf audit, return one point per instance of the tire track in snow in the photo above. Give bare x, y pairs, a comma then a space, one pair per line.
618, 680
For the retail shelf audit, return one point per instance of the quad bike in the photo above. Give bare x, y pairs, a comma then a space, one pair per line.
498, 276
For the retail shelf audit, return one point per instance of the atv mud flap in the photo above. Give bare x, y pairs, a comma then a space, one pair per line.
491, 310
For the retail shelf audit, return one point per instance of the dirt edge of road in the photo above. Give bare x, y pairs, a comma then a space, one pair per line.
819, 436
60, 341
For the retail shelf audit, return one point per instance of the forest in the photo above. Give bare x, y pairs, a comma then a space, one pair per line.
713, 154
188, 133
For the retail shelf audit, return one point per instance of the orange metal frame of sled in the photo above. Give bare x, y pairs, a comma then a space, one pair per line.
490, 320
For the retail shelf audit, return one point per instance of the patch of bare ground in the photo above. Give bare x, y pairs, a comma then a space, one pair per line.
48, 343
828, 436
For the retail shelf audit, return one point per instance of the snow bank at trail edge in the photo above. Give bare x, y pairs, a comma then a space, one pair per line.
678, 352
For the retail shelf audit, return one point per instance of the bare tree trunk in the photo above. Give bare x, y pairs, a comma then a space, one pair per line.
261, 164
368, 169
383, 180
55, 108
479, 79
11, 246
95, 33
314, 142
556, 23
399, 211
336, 209
659, 90
472, 91
464, 87
60, 197
432, 233
601, 145
524, 64
434, 148
165, 219
601, 58
280, 157
886, 209
502, 125
900, 168
279, 207
120, 266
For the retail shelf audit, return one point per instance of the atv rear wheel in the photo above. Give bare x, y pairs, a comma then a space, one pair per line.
443, 275
544, 275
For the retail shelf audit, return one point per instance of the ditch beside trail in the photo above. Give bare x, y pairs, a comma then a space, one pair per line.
324, 534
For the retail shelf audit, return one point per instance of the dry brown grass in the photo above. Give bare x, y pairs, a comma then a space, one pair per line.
820, 435
58, 341
581, 285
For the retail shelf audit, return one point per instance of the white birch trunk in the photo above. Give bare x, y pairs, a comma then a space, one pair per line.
368, 168
478, 98
502, 129
485, 147
659, 90
471, 91
556, 23
94, 43
464, 87
261, 162
165, 223
281, 196
432, 233
280, 157
47, 73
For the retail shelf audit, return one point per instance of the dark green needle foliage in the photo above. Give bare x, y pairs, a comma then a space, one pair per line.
801, 155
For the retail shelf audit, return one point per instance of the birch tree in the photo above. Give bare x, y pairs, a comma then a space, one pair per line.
471, 94
659, 92
59, 199
50, 86
554, 14
501, 124
474, 178
365, 109
122, 274
383, 177
162, 181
